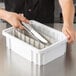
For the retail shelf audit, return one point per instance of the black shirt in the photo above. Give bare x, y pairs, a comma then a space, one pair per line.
40, 10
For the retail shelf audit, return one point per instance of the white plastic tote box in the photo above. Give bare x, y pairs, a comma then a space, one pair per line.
39, 53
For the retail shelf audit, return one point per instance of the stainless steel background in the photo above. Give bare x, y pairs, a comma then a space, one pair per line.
12, 64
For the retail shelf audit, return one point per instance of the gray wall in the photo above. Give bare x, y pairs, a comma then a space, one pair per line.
57, 9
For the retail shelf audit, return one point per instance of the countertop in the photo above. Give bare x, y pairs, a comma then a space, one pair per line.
12, 64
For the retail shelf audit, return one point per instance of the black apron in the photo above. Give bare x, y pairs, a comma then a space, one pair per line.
40, 10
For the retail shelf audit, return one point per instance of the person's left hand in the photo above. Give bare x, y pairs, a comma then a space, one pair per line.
69, 32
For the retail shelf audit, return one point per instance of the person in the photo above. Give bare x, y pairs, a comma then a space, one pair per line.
40, 10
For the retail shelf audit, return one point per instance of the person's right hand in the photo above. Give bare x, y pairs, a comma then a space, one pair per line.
15, 19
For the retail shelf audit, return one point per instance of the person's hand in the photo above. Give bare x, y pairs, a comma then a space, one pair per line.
69, 32
15, 19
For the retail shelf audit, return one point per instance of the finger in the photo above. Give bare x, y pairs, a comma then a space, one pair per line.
21, 14
15, 26
22, 18
19, 25
72, 34
70, 39
22, 28
66, 34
